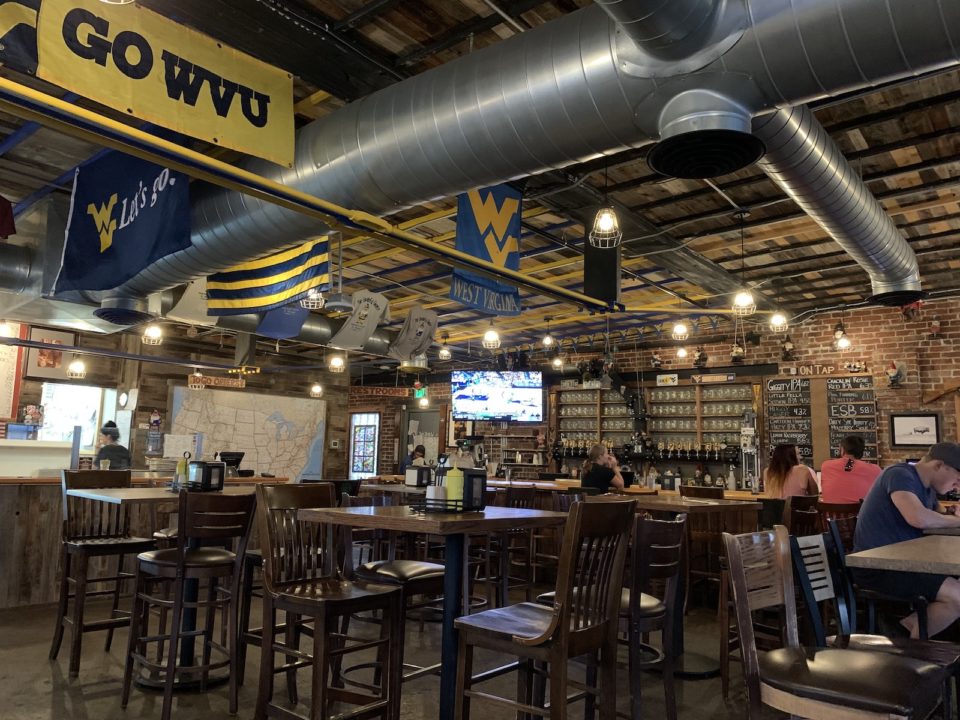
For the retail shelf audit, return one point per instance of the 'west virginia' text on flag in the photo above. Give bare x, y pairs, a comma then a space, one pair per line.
125, 214
269, 282
488, 227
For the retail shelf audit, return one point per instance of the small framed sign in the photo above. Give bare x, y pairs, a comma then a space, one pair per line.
48, 363
914, 430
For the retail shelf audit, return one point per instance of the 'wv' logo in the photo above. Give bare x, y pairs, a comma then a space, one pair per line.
488, 216
102, 216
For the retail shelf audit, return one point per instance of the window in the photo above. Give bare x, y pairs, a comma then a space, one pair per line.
65, 406
364, 441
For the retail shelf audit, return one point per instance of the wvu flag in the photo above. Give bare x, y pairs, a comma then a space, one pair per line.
125, 214
488, 227
18, 35
270, 282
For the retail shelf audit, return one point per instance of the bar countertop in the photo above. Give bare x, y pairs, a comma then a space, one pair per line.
139, 477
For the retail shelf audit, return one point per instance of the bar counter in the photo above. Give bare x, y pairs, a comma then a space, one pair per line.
30, 533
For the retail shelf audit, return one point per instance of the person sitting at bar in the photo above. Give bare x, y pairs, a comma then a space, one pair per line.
111, 449
414, 459
785, 476
601, 470
847, 479
902, 504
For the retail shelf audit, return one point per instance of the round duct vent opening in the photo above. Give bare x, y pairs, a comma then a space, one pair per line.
705, 153
416, 364
124, 311
897, 298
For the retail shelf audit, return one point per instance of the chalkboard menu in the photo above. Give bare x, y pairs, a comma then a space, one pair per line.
789, 414
852, 410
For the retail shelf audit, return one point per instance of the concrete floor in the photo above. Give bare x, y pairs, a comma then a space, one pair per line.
33, 688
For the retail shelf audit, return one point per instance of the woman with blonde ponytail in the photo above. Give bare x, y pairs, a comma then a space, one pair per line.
600, 471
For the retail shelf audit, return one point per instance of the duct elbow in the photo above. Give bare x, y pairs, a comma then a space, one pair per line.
666, 29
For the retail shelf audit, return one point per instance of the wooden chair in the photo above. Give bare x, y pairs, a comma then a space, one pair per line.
582, 620
508, 545
212, 519
320, 494
810, 682
704, 535
300, 578
837, 511
801, 521
820, 575
92, 529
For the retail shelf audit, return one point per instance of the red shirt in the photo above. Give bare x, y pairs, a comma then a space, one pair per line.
846, 486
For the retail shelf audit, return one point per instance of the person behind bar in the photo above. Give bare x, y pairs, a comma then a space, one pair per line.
413, 459
902, 504
600, 471
111, 449
785, 476
847, 479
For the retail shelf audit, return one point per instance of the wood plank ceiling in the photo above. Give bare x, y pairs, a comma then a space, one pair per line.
903, 140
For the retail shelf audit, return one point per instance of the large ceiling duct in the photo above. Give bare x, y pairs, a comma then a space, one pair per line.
803, 160
566, 92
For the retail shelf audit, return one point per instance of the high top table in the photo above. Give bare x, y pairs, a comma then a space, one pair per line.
455, 527
936, 554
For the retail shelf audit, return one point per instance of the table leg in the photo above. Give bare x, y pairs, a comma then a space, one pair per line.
191, 591
452, 600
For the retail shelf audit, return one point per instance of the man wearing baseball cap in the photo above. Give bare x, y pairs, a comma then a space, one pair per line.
902, 504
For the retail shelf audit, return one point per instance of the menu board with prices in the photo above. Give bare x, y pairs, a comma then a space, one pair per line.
852, 410
789, 415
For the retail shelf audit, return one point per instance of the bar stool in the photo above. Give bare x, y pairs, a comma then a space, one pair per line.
211, 518
92, 529
512, 543
297, 582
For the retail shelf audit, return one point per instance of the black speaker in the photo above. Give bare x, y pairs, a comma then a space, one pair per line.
601, 272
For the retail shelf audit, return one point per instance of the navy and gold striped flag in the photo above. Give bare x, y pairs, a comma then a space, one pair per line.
269, 282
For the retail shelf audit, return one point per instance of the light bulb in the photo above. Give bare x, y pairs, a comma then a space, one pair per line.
491, 339
548, 340
843, 343
444, 353
557, 362
778, 322
605, 221
152, 335
336, 364
424, 402
77, 369
743, 298
680, 331
681, 352
316, 390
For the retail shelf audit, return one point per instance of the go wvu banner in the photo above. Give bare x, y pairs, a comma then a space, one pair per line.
488, 227
270, 282
142, 64
125, 214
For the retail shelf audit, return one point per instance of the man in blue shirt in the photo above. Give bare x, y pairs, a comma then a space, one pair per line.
902, 504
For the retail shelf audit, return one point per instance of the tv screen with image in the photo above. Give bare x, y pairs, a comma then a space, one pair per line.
485, 395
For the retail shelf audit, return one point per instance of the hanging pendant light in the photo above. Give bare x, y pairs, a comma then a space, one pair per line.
557, 363
316, 390
337, 364
77, 369
606, 231
491, 338
840, 338
743, 303
778, 322
424, 402
195, 380
152, 335
681, 353
445, 353
680, 331
548, 340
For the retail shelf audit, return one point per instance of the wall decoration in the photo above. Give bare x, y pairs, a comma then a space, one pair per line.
914, 430
48, 363
458, 430
11, 358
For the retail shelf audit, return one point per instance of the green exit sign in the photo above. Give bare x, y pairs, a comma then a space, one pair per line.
420, 392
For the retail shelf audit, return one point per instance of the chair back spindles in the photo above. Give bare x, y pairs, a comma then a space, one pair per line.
836, 511
294, 550
91, 519
591, 566
842, 530
697, 491
521, 497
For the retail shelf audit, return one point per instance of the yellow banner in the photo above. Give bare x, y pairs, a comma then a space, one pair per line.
146, 66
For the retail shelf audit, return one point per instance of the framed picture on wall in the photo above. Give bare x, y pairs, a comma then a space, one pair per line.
914, 430
49, 363
458, 430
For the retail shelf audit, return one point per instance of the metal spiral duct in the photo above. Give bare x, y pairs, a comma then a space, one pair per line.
568, 91
803, 160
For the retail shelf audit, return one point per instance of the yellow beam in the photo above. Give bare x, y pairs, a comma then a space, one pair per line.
310, 101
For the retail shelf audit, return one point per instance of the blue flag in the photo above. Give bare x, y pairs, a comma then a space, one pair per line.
488, 227
283, 322
125, 214
270, 282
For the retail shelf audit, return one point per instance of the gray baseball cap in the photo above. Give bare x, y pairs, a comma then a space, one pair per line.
947, 452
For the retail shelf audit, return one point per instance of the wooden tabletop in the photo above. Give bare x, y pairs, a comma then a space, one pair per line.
393, 488
943, 531
146, 495
694, 505
936, 554
403, 519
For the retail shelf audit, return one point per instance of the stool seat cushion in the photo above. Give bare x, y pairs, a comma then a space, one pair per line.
649, 605
332, 590
399, 571
201, 557
871, 681
525, 620
118, 546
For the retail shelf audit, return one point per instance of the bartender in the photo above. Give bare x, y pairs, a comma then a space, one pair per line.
111, 449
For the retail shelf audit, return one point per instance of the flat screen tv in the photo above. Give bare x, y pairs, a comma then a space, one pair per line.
483, 395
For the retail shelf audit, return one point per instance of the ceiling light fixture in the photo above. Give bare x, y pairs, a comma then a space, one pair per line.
743, 303
680, 331
445, 353
77, 369
491, 338
681, 352
840, 339
424, 402
152, 335
548, 340
778, 322
606, 231
557, 363
337, 364
316, 390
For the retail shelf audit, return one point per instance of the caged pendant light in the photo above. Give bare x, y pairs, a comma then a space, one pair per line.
743, 303
606, 231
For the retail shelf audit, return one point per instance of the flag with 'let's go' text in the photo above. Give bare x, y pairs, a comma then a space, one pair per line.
125, 214
488, 227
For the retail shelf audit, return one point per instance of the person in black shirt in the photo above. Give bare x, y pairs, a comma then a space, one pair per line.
600, 471
111, 449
